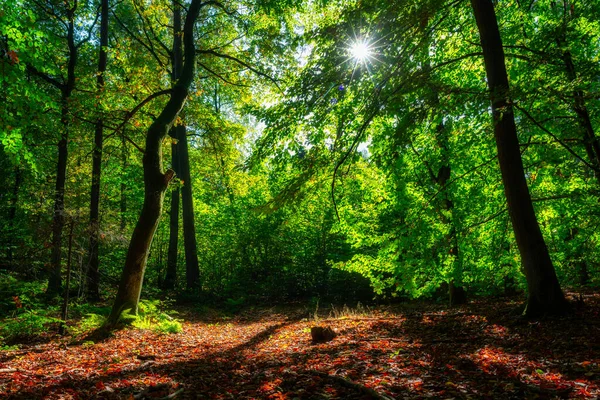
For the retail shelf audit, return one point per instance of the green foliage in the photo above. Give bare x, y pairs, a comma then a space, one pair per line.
18, 296
152, 316
27, 325
267, 165
88, 323
87, 318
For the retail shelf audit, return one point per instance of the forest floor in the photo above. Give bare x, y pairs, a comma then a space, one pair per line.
477, 351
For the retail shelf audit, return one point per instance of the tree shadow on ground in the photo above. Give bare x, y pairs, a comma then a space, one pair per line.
466, 352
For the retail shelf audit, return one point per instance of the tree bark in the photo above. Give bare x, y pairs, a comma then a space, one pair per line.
176, 61
12, 214
123, 188
65, 305
58, 222
456, 293
93, 290
544, 292
192, 269
590, 140
171, 274
155, 180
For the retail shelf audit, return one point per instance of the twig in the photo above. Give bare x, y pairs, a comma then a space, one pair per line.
353, 385
172, 395
7, 370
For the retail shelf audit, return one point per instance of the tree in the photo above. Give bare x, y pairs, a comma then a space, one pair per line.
64, 16
181, 165
155, 180
544, 292
172, 253
93, 292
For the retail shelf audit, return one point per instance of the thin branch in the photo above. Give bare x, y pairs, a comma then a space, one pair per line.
350, 150
556, 197
475, 168
131, 113
453, 60
140, 41
431, 173
237, 60
220, 5
147, 22
219, 76
488, 219
133, 143
47, 78
563, 144
89, 33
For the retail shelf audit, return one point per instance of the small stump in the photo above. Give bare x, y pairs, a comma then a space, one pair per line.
322, 334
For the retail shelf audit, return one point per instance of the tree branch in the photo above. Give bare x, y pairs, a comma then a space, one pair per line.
33, 70
140, 41
563, 144
237, 60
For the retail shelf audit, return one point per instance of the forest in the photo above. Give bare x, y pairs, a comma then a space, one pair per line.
299, 199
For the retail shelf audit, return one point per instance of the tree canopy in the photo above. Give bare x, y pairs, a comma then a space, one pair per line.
347, 150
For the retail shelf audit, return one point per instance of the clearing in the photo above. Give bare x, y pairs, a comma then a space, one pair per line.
480, 350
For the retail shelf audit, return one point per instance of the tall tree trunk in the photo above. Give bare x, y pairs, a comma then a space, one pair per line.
123, 186
171, 274
93, 291
54, 281
192, 269
445, 209
12, 215
176, 62
590, 140
155, 180
65, 305
544, 292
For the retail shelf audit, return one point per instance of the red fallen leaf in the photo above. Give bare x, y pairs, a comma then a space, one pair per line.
100, 385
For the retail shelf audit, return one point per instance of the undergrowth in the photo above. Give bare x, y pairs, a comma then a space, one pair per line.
152, 316
27, 314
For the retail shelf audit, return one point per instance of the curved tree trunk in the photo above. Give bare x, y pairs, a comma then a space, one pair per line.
155, 180
93, 291
544, 292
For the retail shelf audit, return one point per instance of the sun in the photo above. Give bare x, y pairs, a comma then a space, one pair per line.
360, 51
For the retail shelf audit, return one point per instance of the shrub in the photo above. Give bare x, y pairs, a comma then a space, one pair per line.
26, 325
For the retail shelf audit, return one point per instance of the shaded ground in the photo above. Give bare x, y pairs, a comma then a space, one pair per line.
473, 352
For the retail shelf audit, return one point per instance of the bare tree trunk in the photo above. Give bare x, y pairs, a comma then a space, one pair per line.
12, 214
93, 291
123, 186
54, 281
544, 292
590, 141
176, 62
171, 274
65, 306
192, 269
445, 209
155, 181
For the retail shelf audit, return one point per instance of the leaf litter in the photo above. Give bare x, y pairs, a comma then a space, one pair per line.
477, 351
